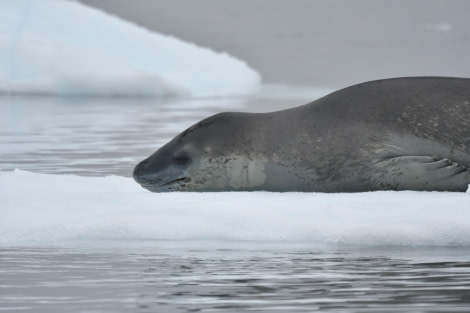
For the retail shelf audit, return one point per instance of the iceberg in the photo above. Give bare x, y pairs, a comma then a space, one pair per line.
61, 47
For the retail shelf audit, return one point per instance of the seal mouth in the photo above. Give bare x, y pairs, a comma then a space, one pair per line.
170, 185
176, 181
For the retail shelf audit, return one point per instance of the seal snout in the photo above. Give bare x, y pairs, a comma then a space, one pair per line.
158, 176
139, 173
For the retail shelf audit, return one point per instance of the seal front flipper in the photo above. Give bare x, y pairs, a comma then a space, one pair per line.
424, 173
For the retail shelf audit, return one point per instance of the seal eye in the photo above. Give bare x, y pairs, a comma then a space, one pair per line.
181, 158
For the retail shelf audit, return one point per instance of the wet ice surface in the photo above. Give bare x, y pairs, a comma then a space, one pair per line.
233, 279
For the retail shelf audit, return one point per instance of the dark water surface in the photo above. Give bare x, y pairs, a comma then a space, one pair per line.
166, 279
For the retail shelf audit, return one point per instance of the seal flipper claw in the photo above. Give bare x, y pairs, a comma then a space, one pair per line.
422, 173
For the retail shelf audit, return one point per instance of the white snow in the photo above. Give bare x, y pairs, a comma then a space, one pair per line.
44, 209
59, 47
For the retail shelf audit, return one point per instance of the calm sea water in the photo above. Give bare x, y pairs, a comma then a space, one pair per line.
237, 278
98, 137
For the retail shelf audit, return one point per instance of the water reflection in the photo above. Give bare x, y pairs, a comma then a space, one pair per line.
232, 281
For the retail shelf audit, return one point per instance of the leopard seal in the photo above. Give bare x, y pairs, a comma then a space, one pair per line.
410, 133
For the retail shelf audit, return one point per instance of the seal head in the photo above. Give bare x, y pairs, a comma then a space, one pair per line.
216, 154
